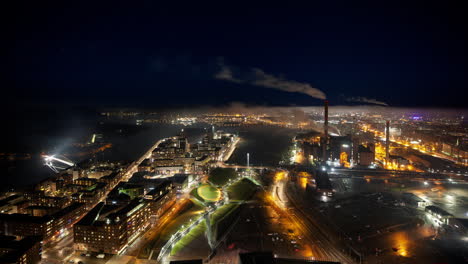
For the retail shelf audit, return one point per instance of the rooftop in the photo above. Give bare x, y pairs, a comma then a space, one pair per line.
437, 210
104, 213
16, 248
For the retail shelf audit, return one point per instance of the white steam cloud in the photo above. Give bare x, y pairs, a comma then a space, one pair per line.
270, 81
258, 77
226, 74
361, 99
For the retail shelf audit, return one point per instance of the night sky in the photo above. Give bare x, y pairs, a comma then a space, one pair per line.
409, 53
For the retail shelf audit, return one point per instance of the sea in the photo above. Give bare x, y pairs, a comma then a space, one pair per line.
59, 133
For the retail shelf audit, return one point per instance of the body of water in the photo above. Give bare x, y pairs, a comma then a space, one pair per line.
265, 145
56, 135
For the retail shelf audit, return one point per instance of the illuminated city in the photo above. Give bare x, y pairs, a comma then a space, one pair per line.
153, 153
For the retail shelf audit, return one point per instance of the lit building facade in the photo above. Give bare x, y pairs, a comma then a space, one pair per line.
108, 228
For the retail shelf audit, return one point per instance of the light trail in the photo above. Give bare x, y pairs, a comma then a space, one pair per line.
319, 246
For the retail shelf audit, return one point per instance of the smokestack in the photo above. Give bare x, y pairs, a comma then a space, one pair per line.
325, 132
387, 140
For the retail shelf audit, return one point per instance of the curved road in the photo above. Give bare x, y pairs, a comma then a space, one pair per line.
322, 245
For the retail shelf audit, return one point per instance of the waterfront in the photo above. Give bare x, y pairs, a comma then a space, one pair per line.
266, 145
127, 142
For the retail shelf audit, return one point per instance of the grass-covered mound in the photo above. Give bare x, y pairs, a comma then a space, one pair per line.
241, 190
197, 231
221, 176
209, 193
206, 193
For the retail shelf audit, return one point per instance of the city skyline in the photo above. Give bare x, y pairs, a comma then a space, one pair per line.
160, 186
145, 132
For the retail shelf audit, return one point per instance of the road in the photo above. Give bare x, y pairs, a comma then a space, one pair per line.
152, 234
386, 174
226, 153
322, 246
134, 166
223, 165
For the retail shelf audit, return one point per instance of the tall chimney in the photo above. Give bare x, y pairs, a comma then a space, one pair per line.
387, 140
325, 132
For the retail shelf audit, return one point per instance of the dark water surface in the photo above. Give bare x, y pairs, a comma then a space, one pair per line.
55, 133
266, 145
52, 132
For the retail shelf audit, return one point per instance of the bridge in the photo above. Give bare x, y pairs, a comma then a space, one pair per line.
379, 173
233, 166
343, 172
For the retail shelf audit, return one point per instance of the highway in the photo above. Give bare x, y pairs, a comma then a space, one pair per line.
226, 154
384, 174
389, 174
134, 165
323, 248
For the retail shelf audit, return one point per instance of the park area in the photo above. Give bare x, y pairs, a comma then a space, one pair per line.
221, 176
209, 193
241, 190
156, 238
222, 217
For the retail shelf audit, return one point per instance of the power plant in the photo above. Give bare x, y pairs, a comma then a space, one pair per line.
387, 141
325, 132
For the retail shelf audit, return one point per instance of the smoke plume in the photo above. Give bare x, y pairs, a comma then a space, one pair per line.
258, 77
361, 99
